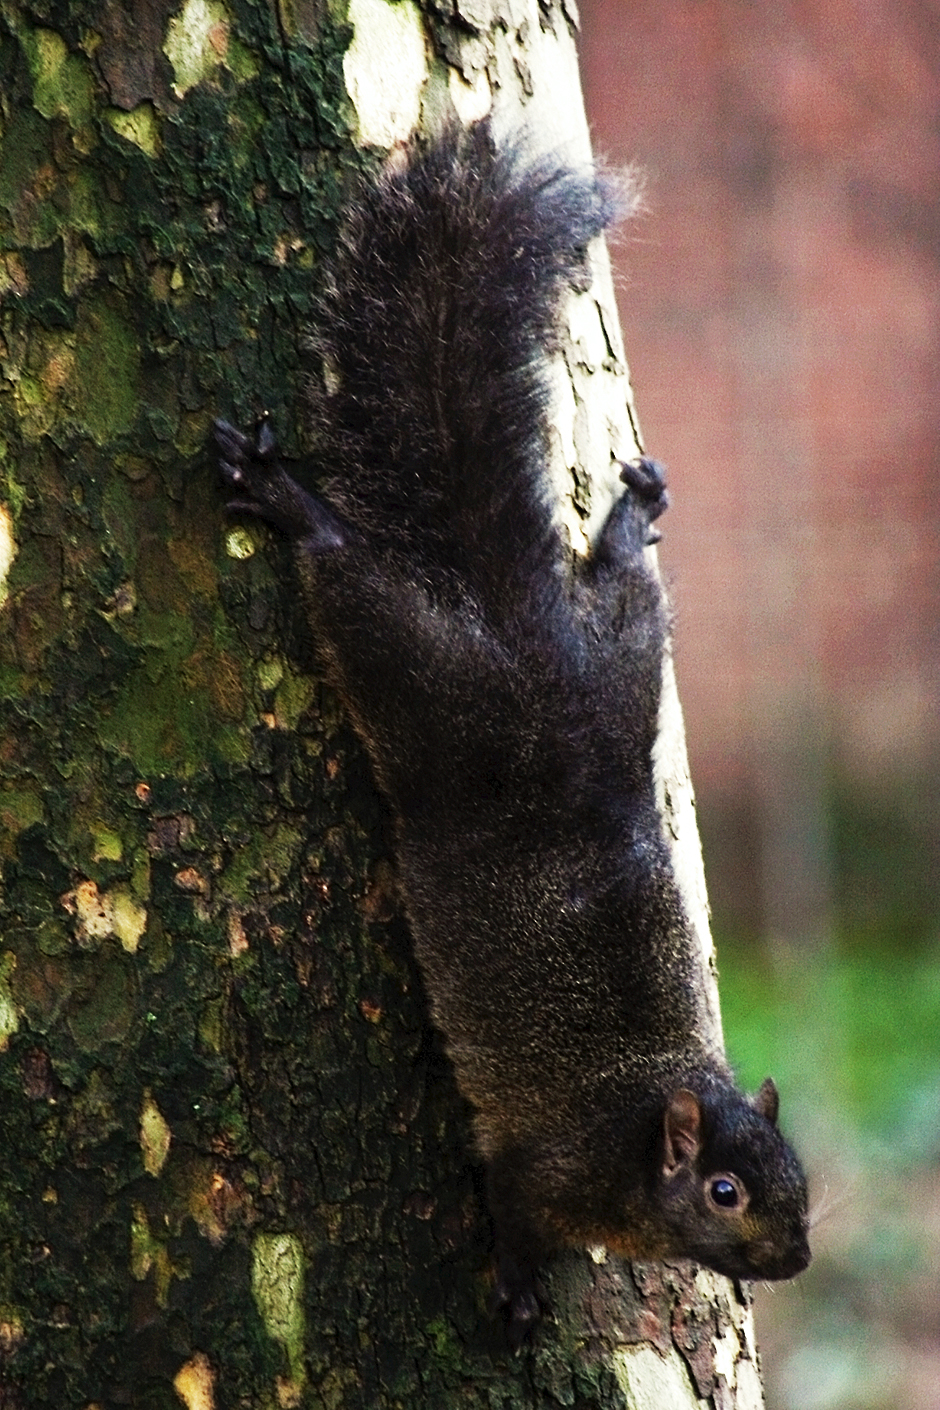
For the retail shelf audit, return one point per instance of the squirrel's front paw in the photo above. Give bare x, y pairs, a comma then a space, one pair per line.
519, 1299
243, 459
262, 487
647, 479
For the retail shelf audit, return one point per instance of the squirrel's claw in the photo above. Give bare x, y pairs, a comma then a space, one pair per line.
522, 1306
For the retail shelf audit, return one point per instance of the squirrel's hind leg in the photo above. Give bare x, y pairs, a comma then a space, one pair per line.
263, 487
520, 1250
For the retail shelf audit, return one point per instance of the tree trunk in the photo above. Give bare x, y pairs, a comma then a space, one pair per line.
235, 1169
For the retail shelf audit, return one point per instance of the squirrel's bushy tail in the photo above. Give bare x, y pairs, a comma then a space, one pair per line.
433, 329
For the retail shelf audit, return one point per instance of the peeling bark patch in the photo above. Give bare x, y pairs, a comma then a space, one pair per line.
727, 1353
128, 54
11, 1333
386, 68
191, 881
9, 1018
239, 543
149, 1255
99, 914
238, 941
193, 1383
38, 1080
651, 1381
155, 1136
277, 1283
92, 910
473, 97
196, 43
199, 41
7, 550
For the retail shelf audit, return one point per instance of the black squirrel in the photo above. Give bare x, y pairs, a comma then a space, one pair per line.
508, 696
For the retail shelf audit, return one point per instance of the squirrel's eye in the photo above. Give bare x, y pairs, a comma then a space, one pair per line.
724, 1193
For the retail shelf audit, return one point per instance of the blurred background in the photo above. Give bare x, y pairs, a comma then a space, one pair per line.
780, 305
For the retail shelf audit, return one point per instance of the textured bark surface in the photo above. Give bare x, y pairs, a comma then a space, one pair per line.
234, 1168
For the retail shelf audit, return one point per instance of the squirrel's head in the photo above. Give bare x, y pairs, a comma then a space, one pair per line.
731, 1190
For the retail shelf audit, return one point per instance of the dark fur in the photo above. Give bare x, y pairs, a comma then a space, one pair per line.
508, 698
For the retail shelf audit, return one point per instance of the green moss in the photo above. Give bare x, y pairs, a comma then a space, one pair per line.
140, 877
129, 918
160, 723
241, 62
140, 126
25, 177
264, 861
443, 1346
13, 491
294, 695
30, 391
211, 1028
105, 386
160, 624
12, 682
92, 210
106, 844
105, 1013
20, 808
118, 514
270, 673
63, 86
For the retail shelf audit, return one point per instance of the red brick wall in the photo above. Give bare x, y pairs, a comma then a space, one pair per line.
780, 306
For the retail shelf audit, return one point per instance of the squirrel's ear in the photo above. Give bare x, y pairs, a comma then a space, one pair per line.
682, 1131
767, 1100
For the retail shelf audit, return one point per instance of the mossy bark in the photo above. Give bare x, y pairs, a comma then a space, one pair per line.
234, 1170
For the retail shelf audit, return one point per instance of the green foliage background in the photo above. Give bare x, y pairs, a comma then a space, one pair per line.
850, 1027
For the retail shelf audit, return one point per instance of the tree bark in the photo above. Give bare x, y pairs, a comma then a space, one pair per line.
235, 1169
